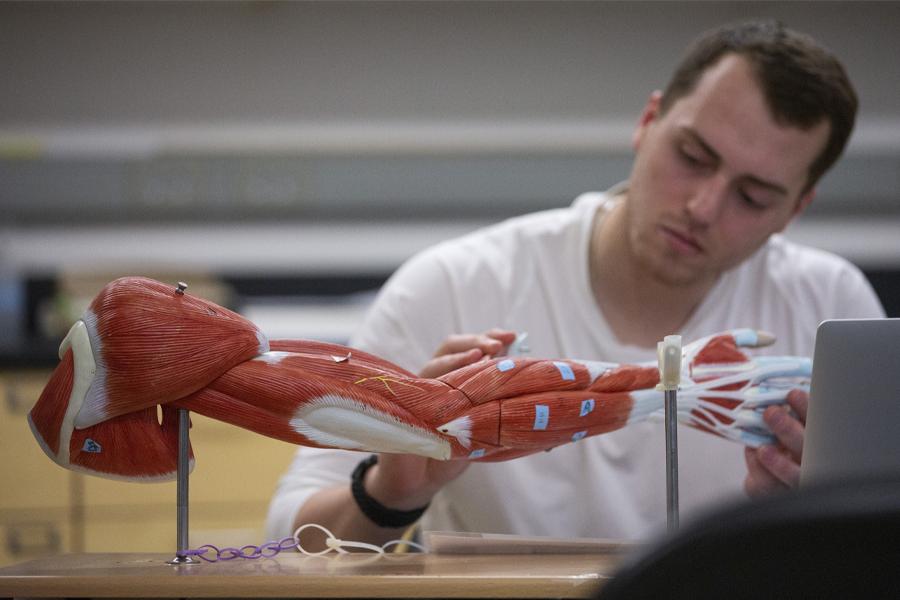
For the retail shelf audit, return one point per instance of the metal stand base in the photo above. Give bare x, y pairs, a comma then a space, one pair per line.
184, 466
183, 560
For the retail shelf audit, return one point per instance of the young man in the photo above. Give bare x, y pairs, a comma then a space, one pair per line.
724, 159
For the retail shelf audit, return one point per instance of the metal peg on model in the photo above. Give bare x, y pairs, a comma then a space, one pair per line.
669, 356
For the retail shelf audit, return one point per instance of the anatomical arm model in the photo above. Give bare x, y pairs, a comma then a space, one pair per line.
143, 344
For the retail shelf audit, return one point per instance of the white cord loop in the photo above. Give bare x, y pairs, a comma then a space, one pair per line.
336, 544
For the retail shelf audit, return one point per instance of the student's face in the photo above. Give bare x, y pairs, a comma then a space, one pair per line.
714, 177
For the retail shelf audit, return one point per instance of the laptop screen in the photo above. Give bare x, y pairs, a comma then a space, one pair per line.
853, 422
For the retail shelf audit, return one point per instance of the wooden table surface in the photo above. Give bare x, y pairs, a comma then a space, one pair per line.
292, 575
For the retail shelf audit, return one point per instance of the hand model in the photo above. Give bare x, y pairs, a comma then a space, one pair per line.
142, 344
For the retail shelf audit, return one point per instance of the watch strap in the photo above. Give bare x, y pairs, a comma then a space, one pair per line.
372, 508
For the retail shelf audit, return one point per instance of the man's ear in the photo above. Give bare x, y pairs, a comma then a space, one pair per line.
802, 203
648, 115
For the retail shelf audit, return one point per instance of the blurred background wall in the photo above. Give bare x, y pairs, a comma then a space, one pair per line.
307, 148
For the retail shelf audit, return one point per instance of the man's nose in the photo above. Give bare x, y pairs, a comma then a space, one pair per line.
708, 200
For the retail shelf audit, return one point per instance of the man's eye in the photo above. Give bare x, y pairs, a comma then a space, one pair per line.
749, 201
689, 158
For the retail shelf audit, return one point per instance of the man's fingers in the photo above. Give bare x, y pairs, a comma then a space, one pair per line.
460, 343
469, 341
799, 401
463, 349
504, 336
441, 365
772, 467
759, 481
787, 429
780, 464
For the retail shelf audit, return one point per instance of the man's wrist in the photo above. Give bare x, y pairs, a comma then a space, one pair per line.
376, 512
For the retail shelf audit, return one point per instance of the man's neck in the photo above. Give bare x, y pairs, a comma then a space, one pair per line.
639, 307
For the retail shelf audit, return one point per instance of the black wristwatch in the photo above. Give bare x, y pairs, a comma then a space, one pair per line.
372, 508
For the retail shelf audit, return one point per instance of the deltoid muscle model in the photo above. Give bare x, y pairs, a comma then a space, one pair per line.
142, 344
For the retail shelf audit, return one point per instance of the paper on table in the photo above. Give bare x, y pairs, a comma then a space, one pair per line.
463, 542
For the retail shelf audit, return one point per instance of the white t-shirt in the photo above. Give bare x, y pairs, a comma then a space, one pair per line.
530, 274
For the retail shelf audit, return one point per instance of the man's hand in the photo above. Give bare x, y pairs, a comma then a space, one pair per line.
406, 482
464, 349
771, 468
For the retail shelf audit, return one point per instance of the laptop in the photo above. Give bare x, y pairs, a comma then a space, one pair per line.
853, 422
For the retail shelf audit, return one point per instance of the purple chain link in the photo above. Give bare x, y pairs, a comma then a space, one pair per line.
267, 550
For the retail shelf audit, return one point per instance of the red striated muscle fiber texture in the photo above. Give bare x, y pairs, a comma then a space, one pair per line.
154, 346
159, 346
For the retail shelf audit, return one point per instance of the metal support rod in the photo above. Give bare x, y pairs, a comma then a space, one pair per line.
184, 443
668, 354
671, 404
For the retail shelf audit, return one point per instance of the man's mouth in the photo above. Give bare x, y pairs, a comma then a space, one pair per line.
681, 242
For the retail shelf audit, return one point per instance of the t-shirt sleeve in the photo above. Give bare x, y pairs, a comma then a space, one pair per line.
854, 296
410, 317
312, 469
412, 314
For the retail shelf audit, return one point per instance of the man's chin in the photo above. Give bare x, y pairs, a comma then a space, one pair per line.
680, 275
676, 270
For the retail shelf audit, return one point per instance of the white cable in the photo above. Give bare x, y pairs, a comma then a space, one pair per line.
336, 544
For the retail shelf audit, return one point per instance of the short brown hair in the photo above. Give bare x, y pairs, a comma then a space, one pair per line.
803, 82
